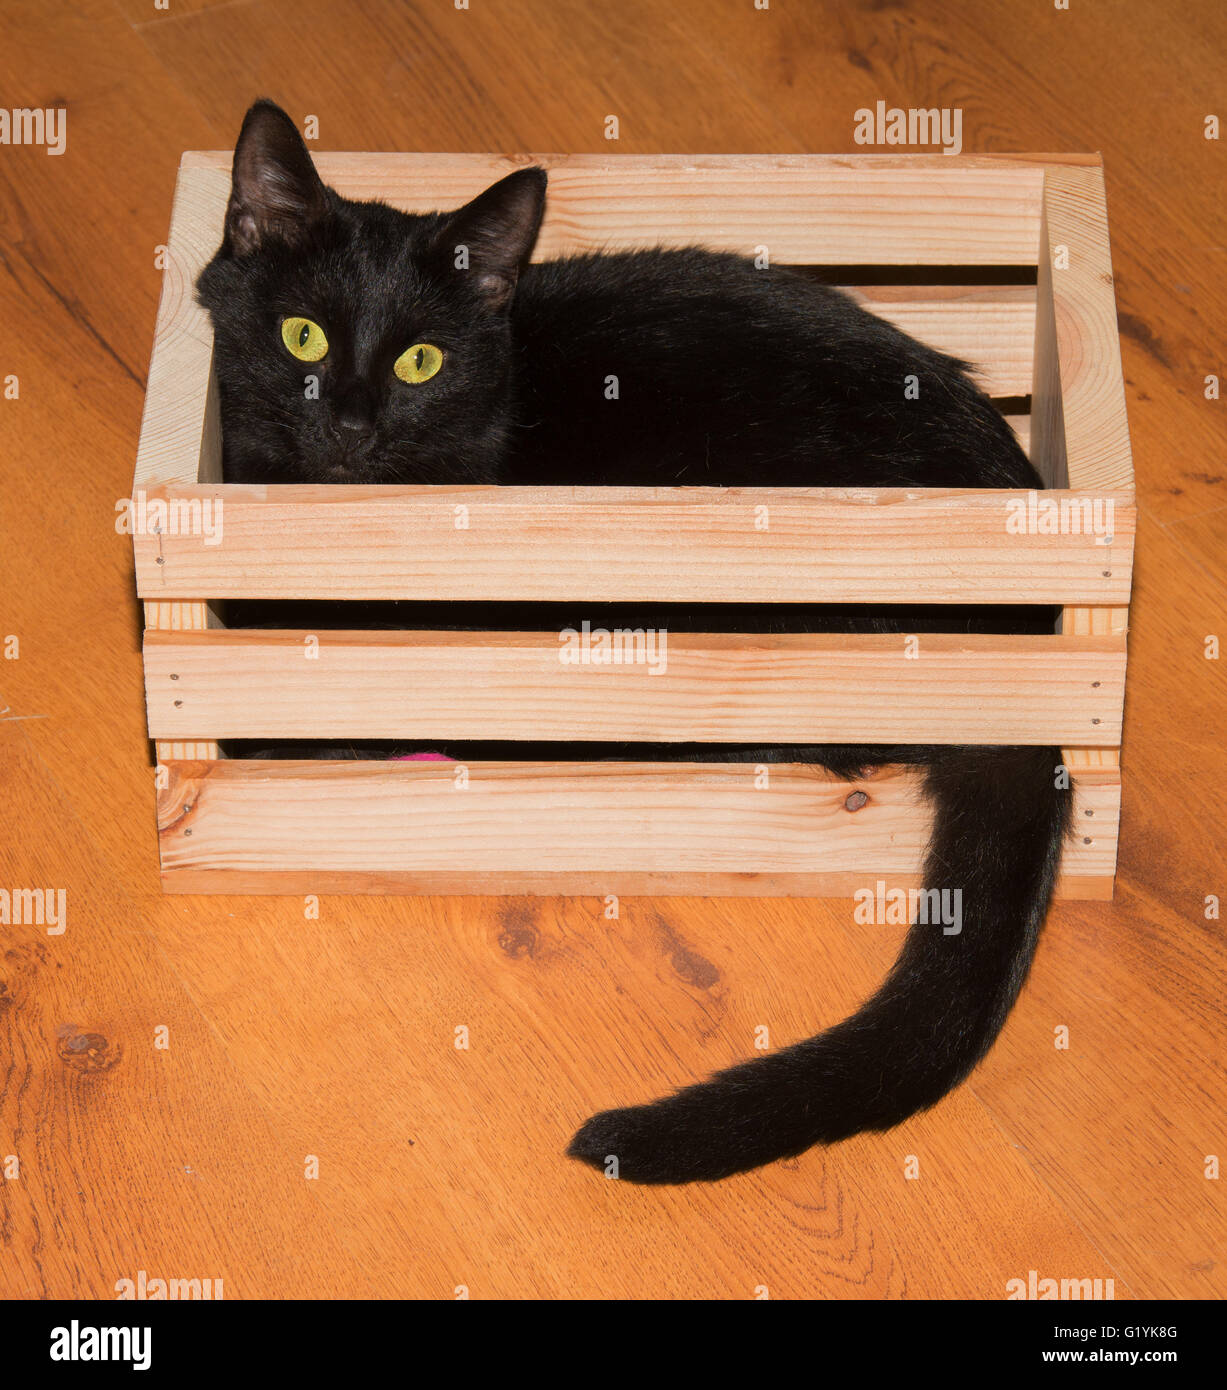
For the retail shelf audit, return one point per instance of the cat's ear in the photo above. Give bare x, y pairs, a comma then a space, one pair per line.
492, 237
275, 193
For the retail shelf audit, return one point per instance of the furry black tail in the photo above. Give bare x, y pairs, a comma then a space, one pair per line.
1000, 819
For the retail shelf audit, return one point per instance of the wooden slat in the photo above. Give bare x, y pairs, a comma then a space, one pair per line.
599, 827
832, 545
807, 209
711, 688
990, 326
180, 437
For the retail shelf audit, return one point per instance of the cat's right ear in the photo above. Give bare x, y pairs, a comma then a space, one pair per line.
275, 193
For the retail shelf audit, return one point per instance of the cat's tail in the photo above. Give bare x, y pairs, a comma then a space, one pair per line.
1000, 818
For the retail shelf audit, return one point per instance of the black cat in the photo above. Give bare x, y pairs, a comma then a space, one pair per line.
442, 356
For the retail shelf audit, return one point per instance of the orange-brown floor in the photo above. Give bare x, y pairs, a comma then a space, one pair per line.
291, 1038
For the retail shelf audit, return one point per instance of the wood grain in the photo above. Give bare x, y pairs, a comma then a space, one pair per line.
96, 1029
990, 326
704, 688
806, 209
741, 545
179, 435
601, 827
1097, 450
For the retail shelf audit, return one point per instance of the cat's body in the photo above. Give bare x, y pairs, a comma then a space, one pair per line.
778, 381
440, 356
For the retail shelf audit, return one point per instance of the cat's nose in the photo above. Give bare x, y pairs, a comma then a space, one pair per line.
353, 415
352, 431
353, 428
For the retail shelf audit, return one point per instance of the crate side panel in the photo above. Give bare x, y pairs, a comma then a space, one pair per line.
1047, 438
179, 439
1097, 449
668, 687
586, 827
1082, 425
736, 545
811, 210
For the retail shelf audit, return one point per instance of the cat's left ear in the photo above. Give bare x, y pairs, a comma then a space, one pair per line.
492, 237
275, 193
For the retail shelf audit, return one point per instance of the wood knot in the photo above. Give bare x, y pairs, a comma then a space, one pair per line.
691, 967
519, 942
86, 1052
517, 937
855, 801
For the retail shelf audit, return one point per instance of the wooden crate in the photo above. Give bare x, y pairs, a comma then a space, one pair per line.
1043, 333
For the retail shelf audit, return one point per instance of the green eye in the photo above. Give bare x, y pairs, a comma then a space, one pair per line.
304, 339
418, 363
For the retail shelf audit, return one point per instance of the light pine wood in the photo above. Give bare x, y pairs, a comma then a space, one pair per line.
990, 326
182, 617
782, 688
1021, 425
180, 439
884, 545
1080, 432
1047, 437
180, 427
805, 209
1097, 450
593, 828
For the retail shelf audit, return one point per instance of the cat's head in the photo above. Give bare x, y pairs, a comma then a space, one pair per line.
355, 343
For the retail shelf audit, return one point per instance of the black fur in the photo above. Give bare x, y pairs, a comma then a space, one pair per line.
726, 375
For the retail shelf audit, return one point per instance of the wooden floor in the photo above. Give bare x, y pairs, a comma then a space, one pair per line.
290, 1038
